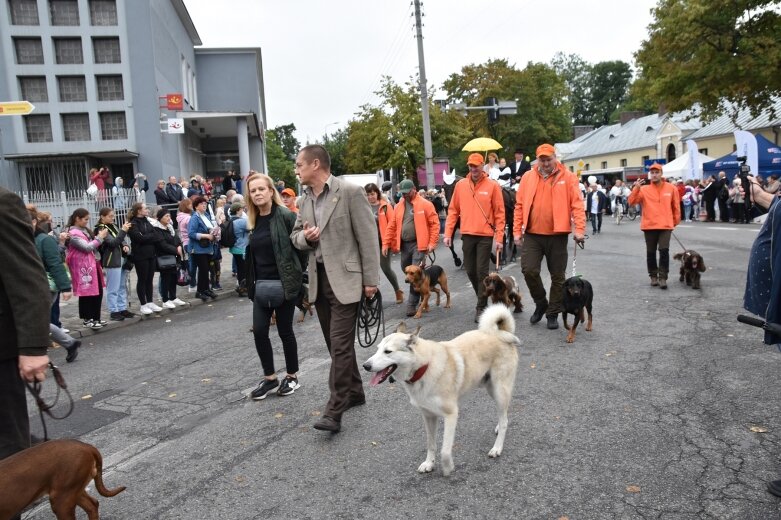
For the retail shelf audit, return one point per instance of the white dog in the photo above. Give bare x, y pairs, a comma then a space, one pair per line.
436, 374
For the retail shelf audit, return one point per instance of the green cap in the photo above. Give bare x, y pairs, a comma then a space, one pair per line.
406, 186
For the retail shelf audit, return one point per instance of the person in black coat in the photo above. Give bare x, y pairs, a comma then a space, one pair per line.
709, 194
595, 213
229, 182
169, 244
143, 240
518, 166
24, 322
161, 194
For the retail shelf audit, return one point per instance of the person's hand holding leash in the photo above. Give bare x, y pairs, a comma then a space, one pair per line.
311, 233
578, 237
448, 242
369, 291
384, 251
66, 295
430, 249
33, 368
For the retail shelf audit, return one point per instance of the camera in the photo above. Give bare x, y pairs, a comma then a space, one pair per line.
743, 173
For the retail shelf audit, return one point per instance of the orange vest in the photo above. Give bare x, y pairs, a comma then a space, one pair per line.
426, 225
478, 206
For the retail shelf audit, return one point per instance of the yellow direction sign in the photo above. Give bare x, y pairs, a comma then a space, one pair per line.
15, 108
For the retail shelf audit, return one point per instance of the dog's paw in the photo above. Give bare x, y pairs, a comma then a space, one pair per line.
495, 452
571, 339
426, 467
589, 328
447, 465
417, 316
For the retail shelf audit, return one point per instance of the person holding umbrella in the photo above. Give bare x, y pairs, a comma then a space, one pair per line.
477, 202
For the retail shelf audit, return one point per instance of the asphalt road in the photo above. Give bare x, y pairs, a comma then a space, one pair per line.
648, 416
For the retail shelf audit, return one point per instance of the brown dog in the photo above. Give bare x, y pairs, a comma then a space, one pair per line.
503, 290
692, 265
60, 469
425, 281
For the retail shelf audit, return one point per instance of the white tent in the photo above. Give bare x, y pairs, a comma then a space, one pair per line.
679, 168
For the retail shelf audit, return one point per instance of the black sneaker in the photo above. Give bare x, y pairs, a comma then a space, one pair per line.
553, 321
73, 351
127, 314
539, 312
288, 386
263, 389
86, 323
117, 316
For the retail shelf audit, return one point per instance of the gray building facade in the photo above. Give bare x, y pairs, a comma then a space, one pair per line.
98, 72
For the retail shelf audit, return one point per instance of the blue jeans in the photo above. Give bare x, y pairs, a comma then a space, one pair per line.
116, 289
191, 266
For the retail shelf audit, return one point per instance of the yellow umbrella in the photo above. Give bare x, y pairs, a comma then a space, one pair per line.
481, 144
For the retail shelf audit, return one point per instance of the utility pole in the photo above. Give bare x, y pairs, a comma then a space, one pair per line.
424, 99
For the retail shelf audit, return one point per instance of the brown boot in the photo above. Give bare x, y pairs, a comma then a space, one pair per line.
663, 281
654, 281
399, 296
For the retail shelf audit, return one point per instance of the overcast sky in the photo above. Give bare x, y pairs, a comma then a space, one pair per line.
322, 59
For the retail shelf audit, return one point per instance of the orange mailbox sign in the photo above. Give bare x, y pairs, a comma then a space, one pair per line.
174, 101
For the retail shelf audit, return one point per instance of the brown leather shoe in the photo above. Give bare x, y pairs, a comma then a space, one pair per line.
662, 283
359, 401
654, 281
328, 424
399, 296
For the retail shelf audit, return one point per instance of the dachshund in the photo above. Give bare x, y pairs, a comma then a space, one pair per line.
692, 265
578, 295
503, 290
424, 281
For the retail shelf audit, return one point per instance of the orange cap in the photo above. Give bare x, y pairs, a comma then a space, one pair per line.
475, 159
289, 192
655, 166
546, 150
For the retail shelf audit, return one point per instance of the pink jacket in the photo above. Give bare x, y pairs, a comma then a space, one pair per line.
182, 221
86, 272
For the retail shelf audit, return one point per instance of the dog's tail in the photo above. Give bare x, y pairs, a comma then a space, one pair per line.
677, 256
99, 486
497, 320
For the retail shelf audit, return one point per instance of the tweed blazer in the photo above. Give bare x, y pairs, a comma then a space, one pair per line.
348, 240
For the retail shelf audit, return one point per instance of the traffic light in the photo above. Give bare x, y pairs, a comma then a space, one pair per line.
493, 113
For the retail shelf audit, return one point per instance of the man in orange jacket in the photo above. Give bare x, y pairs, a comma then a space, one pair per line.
477, 201
661, 213
412, 230
547, 202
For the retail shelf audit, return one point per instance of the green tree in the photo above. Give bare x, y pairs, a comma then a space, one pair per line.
706, 52
280, 165
577, 75
285, 136
608, 90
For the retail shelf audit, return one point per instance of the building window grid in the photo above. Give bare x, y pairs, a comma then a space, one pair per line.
68, 50
33, 89
110, 88
106, 50
113, 126
29, 51
604, 165
64, 12
623, 162
38, 128
75, 127
24, 12
103, 12
72, 88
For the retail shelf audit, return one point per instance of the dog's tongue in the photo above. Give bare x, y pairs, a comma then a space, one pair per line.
379, 377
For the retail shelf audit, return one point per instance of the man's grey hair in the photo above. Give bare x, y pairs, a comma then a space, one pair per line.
237, 199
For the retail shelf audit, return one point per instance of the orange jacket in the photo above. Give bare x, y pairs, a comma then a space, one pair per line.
477, 205
384, 216
567, 202
661, 206
426, 225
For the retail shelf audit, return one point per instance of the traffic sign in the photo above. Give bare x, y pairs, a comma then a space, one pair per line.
15, 108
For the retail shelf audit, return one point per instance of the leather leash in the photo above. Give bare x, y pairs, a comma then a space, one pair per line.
43, 407
575, 247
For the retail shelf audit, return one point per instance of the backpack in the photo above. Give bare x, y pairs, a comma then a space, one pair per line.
227, 233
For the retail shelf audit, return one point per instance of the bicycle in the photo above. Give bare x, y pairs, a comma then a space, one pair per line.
618, 213
631, 213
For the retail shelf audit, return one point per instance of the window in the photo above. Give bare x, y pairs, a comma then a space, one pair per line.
29, 51
24, 12
604, 164
623, 162
588, 167
703, 151
64, 12
76, 127
645, 158
33, 89
38, 128
72, 88
106, 50
110, 88
113, 126
68, 50
103, 12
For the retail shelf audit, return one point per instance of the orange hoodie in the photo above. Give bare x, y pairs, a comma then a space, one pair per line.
464, 205
426, 225
566, 201
661, 206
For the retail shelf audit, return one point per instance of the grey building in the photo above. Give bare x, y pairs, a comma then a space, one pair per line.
98, 73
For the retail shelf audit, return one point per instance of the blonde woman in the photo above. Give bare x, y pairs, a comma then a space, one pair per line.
274, 281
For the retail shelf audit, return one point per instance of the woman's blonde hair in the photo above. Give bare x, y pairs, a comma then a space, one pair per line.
252, 209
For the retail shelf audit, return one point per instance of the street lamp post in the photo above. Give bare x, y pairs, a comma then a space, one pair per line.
325, 130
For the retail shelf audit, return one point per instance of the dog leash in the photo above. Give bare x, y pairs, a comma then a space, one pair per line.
431, 257
43, 407
679, 242
581, 245
370, 316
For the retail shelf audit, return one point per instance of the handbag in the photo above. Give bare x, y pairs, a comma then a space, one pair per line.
183, 275
52, 286
166, 262
92, 190
269, 293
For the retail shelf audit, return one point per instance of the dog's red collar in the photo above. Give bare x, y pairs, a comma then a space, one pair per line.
417, 375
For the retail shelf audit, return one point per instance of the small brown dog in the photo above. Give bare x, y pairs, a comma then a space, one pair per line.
424, 281
692, 265
60, 469
503, 289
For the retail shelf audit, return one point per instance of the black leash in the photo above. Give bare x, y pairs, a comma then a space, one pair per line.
370, 317
679, 242
43, 407
431, 257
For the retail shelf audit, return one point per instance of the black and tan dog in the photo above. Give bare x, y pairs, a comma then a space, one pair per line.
578, 295
503, 289
692, 265
424, 281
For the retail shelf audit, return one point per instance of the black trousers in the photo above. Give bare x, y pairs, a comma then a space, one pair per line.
658, 239
477, 258
596, 222
89, 306
202, 262
552, 248
145, 270
241, 269
338, 323
723, 211
168, 285
710, 207
14, 424
261, 318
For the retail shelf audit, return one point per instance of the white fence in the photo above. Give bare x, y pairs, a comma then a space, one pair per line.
63, 203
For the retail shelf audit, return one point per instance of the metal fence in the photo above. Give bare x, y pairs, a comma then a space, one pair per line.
63, 203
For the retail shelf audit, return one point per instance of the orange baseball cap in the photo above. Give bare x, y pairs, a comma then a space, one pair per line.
546, 150
655, 166
289, 192
475, 159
